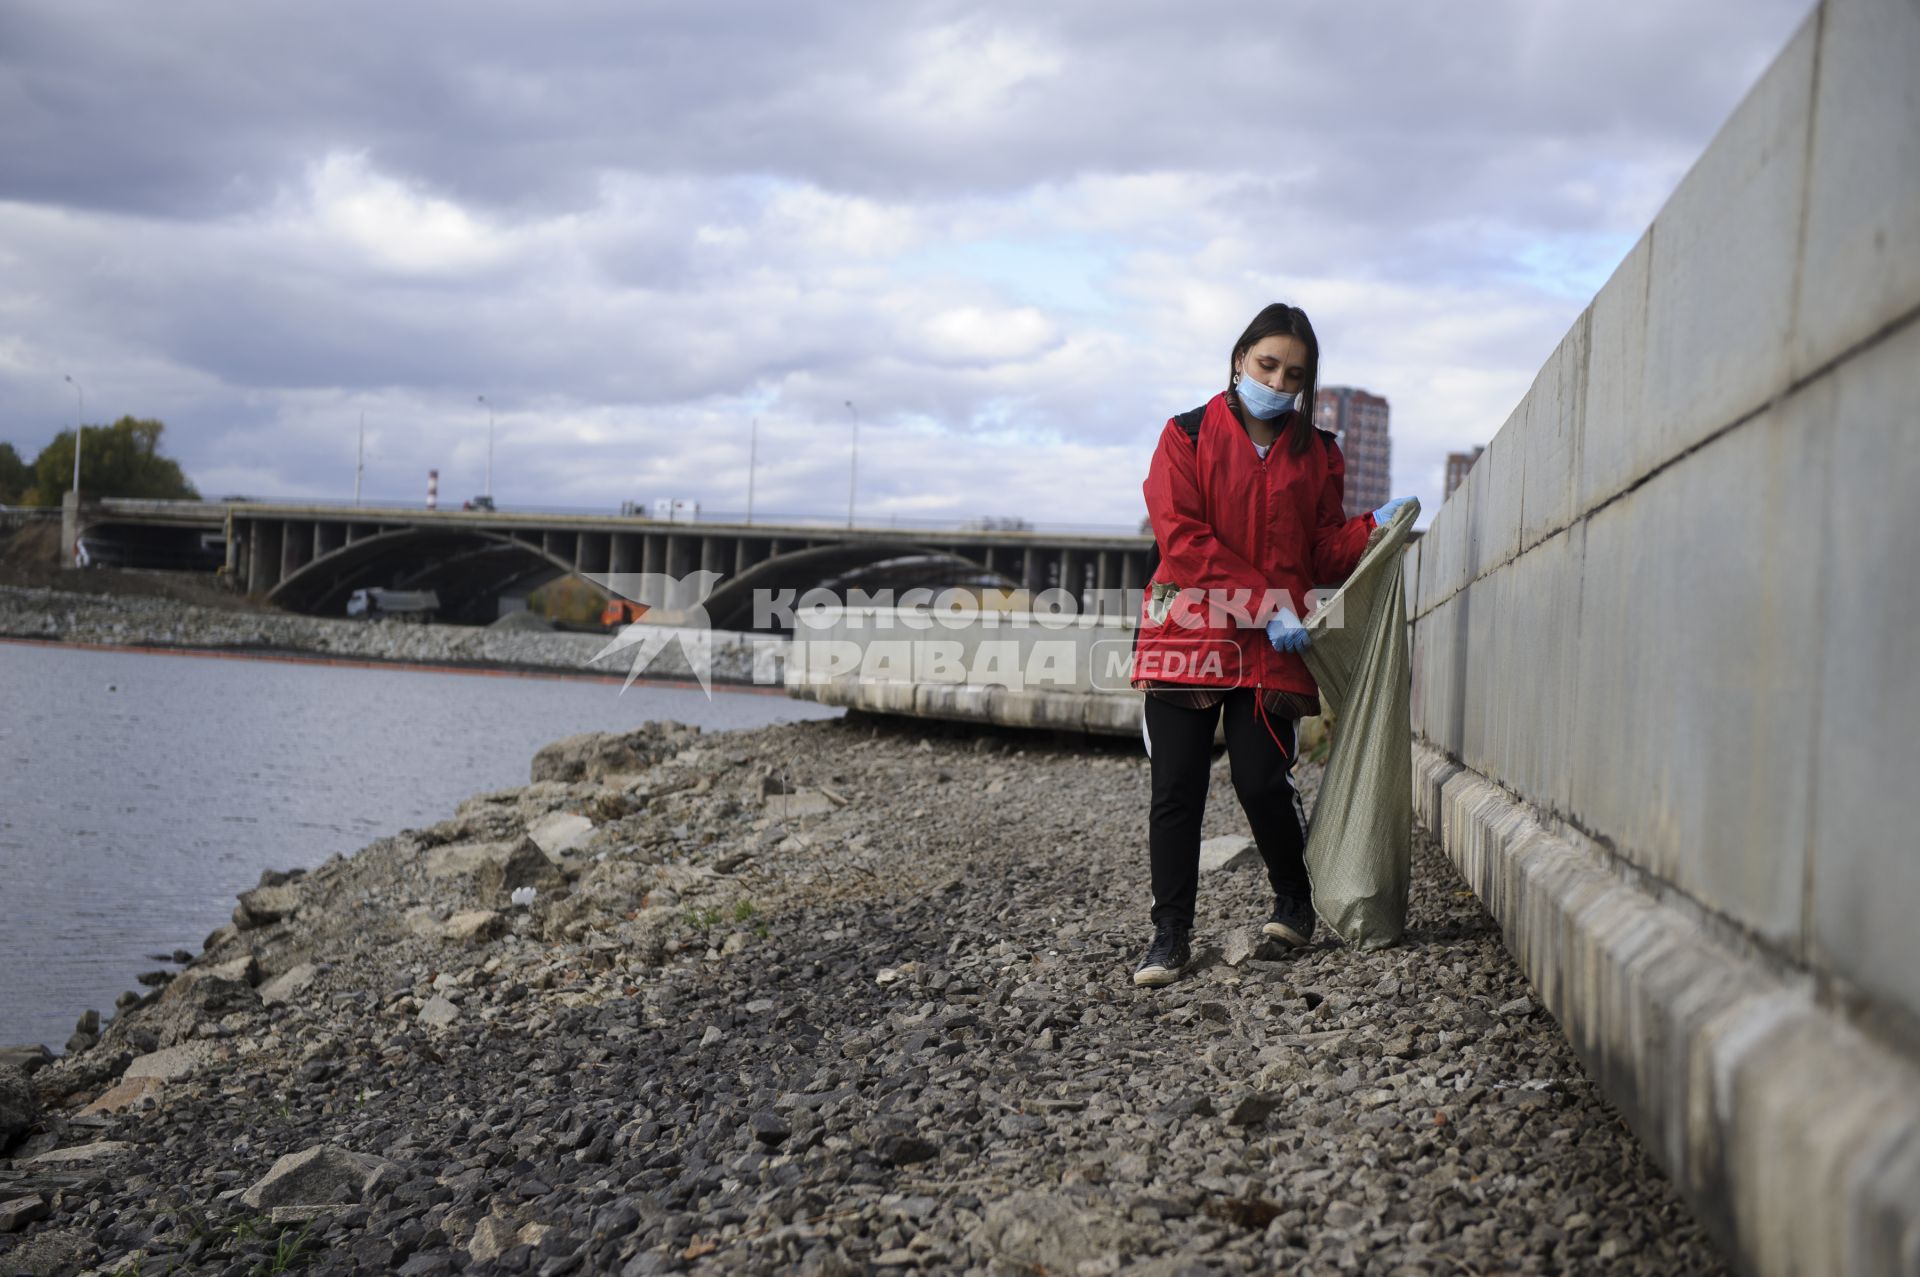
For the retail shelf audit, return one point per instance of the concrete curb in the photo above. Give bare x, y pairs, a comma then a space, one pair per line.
1795, 1135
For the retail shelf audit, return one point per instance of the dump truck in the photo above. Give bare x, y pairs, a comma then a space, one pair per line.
405, 605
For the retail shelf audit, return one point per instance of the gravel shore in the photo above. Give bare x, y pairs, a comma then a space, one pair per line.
833, 997
150, 621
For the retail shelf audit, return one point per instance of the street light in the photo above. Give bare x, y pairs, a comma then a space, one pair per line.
753, 453
853, 463
483, 399
78, 429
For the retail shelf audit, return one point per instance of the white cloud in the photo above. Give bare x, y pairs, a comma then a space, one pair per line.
960, 76
383, 221
977, 335
1018, 243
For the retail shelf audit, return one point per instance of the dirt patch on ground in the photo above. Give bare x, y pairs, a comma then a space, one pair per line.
31, 557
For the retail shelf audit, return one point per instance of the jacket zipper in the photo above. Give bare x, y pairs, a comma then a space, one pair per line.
1260, 680
1260, 683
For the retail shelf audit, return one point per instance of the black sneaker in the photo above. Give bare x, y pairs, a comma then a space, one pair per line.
1166, 957
1292, 921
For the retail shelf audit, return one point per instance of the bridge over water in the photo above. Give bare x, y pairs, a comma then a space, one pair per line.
309, 558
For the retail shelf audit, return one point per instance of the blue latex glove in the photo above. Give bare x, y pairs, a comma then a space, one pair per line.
1286, 633
1384, 514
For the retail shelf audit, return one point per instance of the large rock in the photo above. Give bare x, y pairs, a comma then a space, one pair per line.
73, 1073
1227, 854
438, 1012
21, 1211
19, 1109
464, 859
1253, 1108
130, 1093
597, 755
85, 1033
493, 1236
559, 832
82, 1154
524, 865
264, 906
607, 894
208, 997
1250, 943
172, 1064
1052, 1231
319, 1176
242, 968
475, 926
288, 984
25, 1058
797, 803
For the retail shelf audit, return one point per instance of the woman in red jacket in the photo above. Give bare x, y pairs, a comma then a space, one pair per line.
1246, 502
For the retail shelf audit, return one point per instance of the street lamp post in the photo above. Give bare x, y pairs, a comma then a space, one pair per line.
853, 463
753, 453
78, 429
483, 399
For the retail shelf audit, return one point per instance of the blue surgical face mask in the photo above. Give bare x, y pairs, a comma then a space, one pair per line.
1263, 403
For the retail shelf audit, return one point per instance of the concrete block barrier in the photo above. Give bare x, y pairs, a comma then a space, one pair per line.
1663, 666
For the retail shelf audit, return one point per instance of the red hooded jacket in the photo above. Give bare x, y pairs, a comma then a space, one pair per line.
1232, 526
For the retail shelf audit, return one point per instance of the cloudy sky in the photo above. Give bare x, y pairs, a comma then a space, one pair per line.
1016, 237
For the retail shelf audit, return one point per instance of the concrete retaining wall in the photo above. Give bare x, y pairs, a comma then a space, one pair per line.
1664, 655
1016, 669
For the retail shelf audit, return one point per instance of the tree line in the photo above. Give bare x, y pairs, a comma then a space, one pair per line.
120, 460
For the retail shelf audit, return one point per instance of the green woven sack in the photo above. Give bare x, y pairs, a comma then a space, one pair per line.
1360, 841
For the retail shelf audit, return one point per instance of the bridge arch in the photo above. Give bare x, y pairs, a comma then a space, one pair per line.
863, 565
467, 567
471, 568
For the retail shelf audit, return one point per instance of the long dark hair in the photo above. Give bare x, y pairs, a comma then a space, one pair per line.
1282, 320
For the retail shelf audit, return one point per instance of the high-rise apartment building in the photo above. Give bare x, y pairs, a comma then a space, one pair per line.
1458, 463
1359, 420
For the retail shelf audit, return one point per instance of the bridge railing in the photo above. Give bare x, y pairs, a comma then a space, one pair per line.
866, 522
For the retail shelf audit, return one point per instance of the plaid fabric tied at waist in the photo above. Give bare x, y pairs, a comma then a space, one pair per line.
1278, 703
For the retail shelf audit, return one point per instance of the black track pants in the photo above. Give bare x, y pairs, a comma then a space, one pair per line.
1181, 743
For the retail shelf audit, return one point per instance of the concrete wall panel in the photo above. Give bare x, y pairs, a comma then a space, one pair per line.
1442, 641
1861, 272
1866, 867
1485, 609
1614, 417
1435, 555
1533, 623
1720, 297
1417, 661
1410, 578
1496, 515
1451, 533
1550, 444
1694, 686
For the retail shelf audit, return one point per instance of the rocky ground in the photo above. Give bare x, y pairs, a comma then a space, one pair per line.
834, 997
